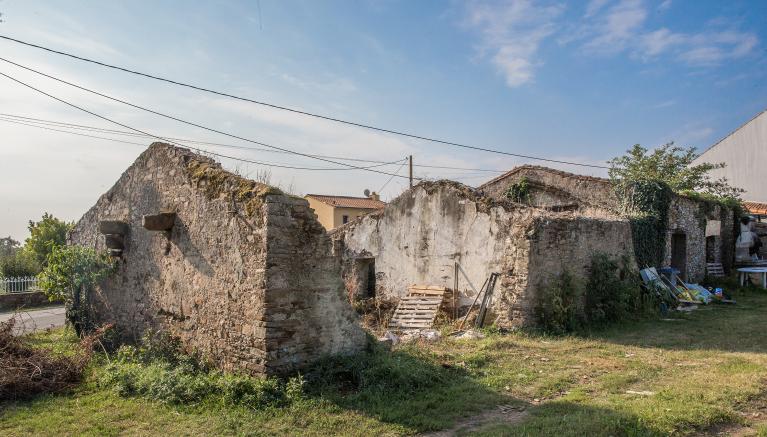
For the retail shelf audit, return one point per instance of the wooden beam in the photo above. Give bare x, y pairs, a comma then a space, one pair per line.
113, 227
159, 222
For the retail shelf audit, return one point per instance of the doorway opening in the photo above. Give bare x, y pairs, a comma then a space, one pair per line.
711, 249
365, 274
679, 254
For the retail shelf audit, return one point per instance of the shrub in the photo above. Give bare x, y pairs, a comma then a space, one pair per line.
611, 293
20, 263
560, 308
519, 192
157, 369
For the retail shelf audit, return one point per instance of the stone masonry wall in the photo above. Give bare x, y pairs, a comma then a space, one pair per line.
594, 195
217, 281
568, 243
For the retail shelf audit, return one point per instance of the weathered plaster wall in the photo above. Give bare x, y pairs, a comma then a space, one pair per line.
417, 238
419, 235
246, 276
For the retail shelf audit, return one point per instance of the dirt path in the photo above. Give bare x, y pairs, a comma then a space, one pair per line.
506, 414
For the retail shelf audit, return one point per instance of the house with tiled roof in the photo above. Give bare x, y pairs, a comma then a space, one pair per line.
334, 211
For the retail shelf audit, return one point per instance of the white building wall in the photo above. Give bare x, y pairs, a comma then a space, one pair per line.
745, 154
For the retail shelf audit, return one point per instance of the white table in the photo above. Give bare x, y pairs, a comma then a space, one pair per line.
743, 271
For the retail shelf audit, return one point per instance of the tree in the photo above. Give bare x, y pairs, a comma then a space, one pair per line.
8, 247
672, 165
44, 236
21, 263
69, 275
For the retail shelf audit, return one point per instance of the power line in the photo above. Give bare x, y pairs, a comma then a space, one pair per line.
271, 164
172, 118
297, 111
133, 134
167, 140
392, 177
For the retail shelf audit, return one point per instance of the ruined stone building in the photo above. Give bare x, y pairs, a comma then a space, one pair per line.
417, 238
698, 231
239, 271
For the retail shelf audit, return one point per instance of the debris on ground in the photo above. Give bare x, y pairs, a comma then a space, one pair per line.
469, 334
389, 339
27, 371
420, 334
640, 393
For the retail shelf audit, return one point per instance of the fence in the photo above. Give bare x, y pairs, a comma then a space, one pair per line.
18, 285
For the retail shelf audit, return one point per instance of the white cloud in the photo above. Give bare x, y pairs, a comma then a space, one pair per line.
617, 27
664, 5
594, 6
621, 28
513, 30
656, 42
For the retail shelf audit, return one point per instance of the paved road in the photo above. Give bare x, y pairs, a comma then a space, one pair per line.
36, 320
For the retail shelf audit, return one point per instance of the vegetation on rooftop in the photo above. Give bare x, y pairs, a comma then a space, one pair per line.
519, 191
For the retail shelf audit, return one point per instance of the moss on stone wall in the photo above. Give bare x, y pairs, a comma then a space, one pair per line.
215, 181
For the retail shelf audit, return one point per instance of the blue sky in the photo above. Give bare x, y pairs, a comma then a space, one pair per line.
579, 81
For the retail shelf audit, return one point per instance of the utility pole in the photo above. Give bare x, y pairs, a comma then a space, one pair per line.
411, 171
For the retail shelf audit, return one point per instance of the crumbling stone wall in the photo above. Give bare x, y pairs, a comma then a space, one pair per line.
418, 237
552, 188
246, 275
595, 197
569, 243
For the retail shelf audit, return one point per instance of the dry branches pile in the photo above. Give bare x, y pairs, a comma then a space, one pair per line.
27, 371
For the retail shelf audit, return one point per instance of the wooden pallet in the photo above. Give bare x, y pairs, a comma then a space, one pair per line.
419, 309
715, 269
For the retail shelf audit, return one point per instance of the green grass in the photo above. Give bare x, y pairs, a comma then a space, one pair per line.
704, 370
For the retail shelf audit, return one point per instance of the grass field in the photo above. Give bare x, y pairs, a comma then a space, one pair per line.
699, 373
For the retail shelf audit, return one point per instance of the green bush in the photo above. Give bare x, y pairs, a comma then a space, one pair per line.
20, 263
611, 293
560, 306
608, 297
519, 192
159, 370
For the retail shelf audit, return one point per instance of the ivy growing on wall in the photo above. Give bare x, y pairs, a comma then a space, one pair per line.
519, 192
646, 203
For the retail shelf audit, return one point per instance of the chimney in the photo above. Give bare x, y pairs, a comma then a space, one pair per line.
374, 196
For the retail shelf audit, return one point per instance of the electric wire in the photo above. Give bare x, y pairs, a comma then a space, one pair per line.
392, 177
297, 111
133, 134
265, 163
179, 144
172, 118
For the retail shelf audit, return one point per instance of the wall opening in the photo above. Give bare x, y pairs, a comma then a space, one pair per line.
711, 249
365, 278
679, 254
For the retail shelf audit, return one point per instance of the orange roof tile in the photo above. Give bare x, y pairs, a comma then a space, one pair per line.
349, 202
756, 208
